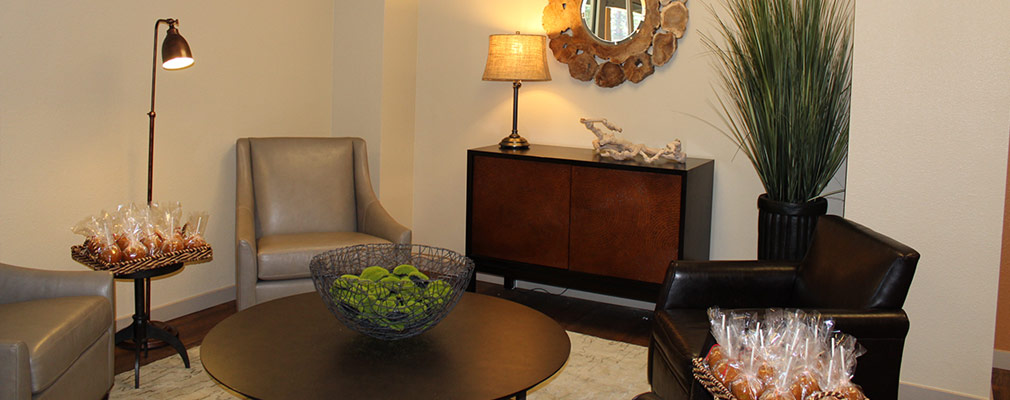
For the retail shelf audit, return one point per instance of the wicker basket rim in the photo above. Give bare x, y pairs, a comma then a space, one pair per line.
196, 254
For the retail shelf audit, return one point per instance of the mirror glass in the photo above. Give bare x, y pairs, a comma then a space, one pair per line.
612, 20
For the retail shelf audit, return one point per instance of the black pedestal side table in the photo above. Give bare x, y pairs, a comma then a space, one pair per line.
141, 329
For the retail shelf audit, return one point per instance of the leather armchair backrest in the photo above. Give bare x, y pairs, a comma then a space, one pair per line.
303, 185
850, 266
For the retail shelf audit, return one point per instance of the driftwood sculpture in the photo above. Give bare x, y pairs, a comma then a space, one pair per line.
608, 144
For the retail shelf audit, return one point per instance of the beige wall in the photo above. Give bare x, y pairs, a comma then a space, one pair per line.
399, 67
928, 164
357, 54
457, 111
1003, 299
75, 91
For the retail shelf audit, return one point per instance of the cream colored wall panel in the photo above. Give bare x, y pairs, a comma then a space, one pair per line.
357, 76
399, 82
927, 166
73, 126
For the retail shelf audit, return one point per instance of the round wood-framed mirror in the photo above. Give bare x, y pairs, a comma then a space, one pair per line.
612, 21
600, 58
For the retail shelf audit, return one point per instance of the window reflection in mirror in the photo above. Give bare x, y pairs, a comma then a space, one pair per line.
609, 20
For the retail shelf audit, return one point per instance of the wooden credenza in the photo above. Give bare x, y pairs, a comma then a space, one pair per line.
567, 217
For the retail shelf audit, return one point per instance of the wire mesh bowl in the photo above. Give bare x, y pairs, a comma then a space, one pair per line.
390, 291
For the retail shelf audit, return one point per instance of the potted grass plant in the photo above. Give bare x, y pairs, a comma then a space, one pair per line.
785, 68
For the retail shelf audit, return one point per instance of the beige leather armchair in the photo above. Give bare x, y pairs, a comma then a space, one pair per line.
56, 333
295, 198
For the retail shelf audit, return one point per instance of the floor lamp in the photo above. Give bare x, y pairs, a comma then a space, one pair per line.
175, 55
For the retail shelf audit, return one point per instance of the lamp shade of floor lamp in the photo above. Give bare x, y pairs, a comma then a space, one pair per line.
516, 57
175, 54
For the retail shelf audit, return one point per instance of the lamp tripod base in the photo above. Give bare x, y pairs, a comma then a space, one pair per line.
514, 142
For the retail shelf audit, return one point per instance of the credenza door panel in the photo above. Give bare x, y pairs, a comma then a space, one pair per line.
520, 210
625, 224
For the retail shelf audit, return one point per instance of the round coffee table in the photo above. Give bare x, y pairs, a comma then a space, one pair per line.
293, 348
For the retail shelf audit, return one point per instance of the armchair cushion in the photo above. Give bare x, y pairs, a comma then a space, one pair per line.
56, 332
303, 185
288, 256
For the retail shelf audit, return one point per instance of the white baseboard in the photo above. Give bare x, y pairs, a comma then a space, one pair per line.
183, 307
911, 391
1001, 359
571, 292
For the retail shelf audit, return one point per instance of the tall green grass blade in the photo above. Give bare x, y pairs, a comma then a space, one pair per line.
785, 70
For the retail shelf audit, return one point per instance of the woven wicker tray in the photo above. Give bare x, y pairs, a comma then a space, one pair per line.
197, 254
719, 391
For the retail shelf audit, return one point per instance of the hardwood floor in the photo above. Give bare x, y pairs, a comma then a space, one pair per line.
1000, 384
625, 324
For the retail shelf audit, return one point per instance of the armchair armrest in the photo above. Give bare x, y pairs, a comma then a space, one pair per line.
870, 324
377, 222
865, 324
727, 284
15, 372
882, 333
372, 217
246, 264
24, 284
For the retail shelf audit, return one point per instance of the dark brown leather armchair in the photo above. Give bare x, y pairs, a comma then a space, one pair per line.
852, 274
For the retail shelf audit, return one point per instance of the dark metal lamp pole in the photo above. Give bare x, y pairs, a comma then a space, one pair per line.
514, 141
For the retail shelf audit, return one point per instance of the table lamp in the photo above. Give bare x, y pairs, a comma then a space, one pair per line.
175, 54
516, 57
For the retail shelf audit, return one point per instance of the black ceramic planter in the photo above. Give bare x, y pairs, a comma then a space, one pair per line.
785, 229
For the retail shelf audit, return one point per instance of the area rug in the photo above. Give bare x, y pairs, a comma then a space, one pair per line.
596, 369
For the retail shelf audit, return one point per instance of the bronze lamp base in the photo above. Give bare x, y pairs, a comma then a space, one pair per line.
514, 141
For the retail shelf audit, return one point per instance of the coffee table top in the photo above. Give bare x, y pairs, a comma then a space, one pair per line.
486, 348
